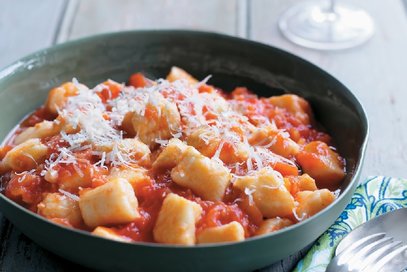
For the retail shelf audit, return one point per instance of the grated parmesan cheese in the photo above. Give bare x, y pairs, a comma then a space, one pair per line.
97, 125
299, 218
249, 192
337, 192
68, 194
24, 175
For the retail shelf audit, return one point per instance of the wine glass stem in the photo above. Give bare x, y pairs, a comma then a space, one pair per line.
329, 14
328, 25
332, 6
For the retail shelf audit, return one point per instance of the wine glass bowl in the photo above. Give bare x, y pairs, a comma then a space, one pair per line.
326, 25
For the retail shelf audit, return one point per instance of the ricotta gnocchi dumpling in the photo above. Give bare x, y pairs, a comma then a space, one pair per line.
58, 97
26, 156
312, 202
321, 163
109, 234
39, 130
158, 121
268, 192
276, 141
293, 104
297, 184
131, 150
231, 232
209, 143
72, 176
205, 177
176, 221
171, 155
134, 175
205, 140
60, 206
177, 73
111, 203
273, 224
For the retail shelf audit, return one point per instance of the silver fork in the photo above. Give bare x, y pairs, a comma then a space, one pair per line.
377, 245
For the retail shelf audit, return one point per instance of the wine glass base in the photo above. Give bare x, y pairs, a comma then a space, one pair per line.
311, 25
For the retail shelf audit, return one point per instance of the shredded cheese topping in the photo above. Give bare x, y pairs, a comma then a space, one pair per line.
92, 124
184, 133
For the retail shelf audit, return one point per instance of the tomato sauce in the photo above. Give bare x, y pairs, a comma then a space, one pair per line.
36, 117
29, 188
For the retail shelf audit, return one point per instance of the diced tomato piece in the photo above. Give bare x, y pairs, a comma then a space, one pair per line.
286, 169
151, 112
98, 181
3, 150
241, 92
25, 189
204, 88
138, 80
322, 163
110, 90
295, 184
106, 116
252, 210
217, 214
38, 116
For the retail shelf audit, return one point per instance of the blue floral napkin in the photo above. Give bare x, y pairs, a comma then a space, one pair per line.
375, 196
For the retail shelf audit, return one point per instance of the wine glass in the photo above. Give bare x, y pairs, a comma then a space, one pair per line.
326, 25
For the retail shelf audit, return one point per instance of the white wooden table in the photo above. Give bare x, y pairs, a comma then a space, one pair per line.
375, 72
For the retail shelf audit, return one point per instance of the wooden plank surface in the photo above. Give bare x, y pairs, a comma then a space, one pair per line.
93, 16
27, 26
374, 72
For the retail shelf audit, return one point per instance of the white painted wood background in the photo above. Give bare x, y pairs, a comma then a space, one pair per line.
375, 72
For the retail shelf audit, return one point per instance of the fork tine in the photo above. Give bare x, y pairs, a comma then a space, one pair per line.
394, 261
364, 253
370, 263
344, 256
358, 260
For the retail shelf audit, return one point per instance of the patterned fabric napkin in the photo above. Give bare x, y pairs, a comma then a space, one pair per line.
375, 196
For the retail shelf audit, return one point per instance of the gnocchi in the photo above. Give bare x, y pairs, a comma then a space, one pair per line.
311, 202
322, 163
277, 141
172, 161
268, 192
176, 221
205, 140
171, 155
208, 142
300, 183
40, 130
207, 178
57, 97
109, 234
136, 150
159, 120
71, 177
57, 205
111, 203
273, 224
231, 232
134, 175
26, 156
177, 73
293, 104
